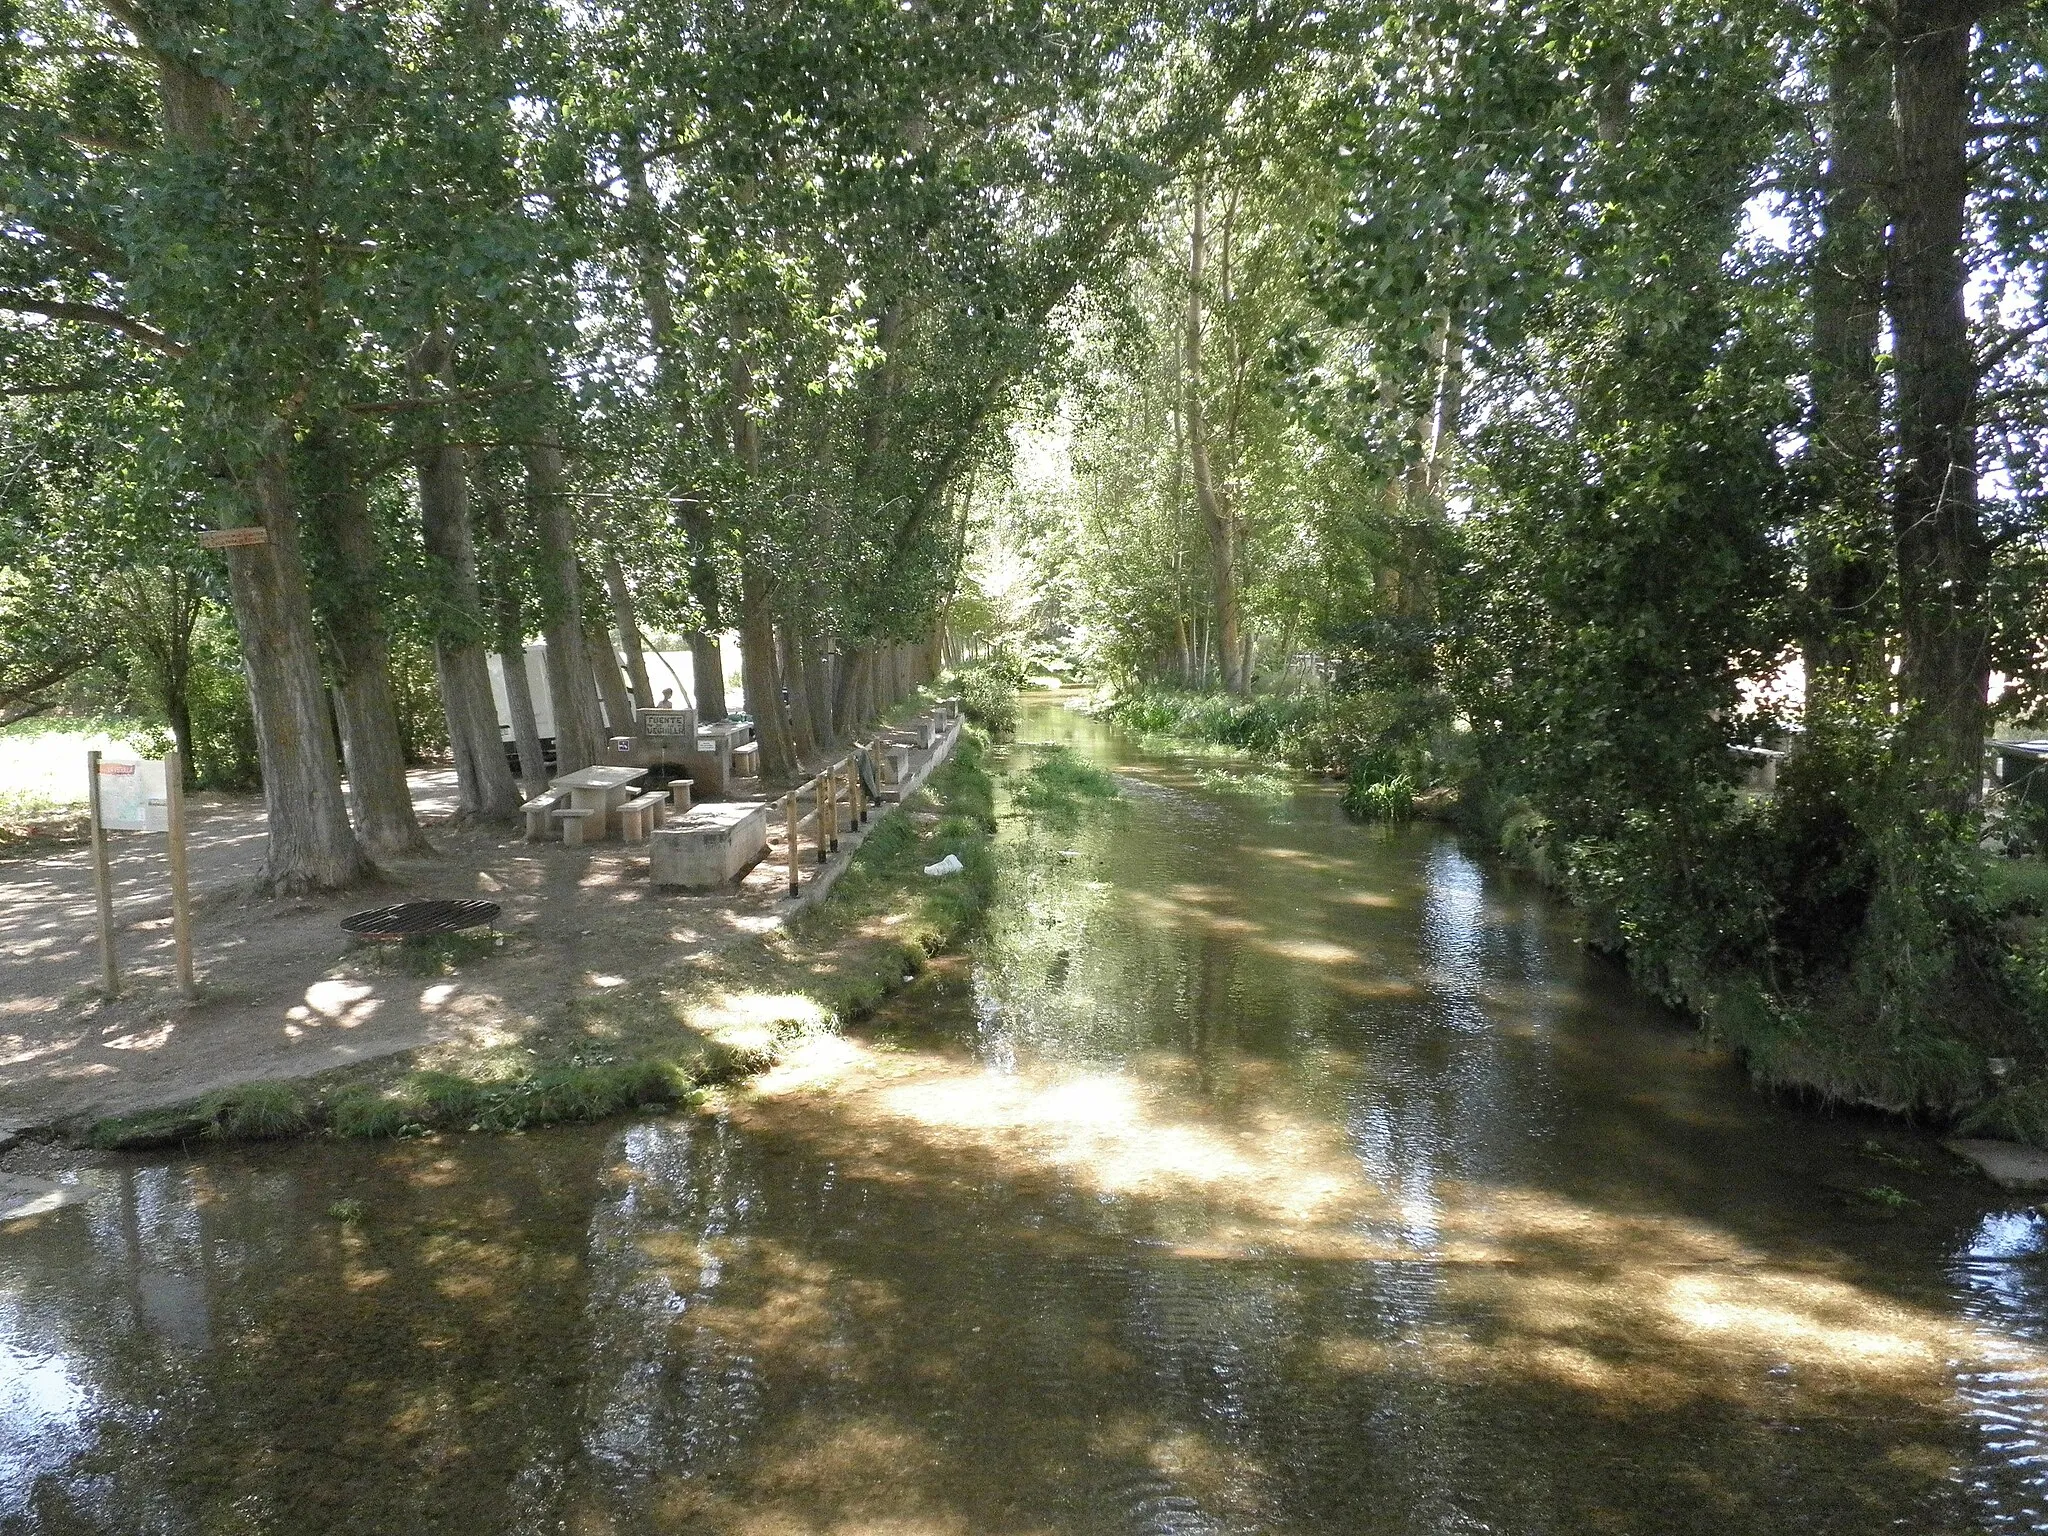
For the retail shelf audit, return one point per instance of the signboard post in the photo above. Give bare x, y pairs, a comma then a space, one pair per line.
181, 901
103, 877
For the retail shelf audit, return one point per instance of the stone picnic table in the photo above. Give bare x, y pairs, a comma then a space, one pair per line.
598, 790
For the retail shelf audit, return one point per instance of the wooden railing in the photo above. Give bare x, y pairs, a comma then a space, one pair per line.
823, 792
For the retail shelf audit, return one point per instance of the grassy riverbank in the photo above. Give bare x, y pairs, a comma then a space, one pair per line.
712, 1018
1849, 952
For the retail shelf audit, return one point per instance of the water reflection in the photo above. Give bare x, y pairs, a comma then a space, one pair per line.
1261, 1174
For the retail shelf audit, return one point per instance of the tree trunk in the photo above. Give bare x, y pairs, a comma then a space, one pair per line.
1213, 501
312, 845
611, 682
846, 716
763, 685
644, 218
803, 729
482, 774
358, 640
1943, 554
707, 673
510, 640
1846, 551
571, 686
868, 696
629, 630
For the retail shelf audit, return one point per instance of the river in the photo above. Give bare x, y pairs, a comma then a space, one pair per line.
1256, 1172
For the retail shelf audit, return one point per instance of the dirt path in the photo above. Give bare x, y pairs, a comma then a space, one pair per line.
283, 994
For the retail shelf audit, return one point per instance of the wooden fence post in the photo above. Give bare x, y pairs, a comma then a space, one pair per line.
102, 881
181, 901
789, 824
832, 799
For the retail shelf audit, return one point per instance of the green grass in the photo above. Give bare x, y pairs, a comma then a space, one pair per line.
2016, 887
1257, 784
1058, 786
246, 1112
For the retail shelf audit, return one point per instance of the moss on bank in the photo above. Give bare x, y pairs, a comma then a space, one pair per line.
711, 1018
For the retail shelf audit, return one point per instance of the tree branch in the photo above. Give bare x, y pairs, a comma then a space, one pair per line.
94, 314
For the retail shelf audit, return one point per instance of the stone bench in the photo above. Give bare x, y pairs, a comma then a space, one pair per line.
746, 760
640, 815
679, 793
572, 825
537, 811
711, 846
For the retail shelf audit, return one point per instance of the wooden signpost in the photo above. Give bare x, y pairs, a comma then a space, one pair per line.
102, 882
131, 809
181, 897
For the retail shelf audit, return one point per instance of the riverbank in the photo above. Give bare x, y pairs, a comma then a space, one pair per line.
1942, 1025
713, 1014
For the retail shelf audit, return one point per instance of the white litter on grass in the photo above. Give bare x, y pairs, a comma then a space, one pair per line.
949, 865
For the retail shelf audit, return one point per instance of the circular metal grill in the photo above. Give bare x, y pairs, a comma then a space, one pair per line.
419, 919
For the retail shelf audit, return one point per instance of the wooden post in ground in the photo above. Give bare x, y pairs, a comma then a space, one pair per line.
102, 881
818, 815
832, 800
181, 900
789, 823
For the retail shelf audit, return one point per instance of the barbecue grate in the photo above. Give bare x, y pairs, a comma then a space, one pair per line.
419, 919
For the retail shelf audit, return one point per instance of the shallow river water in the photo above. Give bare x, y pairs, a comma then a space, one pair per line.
1258, 1172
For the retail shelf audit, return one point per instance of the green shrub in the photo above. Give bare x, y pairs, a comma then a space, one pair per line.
988, 693
1381, 800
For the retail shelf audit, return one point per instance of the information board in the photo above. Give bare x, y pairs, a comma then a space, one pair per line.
133, 797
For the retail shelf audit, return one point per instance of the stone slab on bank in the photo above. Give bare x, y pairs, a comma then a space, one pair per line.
710, 846
2005, 1162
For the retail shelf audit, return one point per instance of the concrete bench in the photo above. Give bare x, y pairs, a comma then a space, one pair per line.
711, 846
746, 760
638, 815
537, 810
679, 793
572, 825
